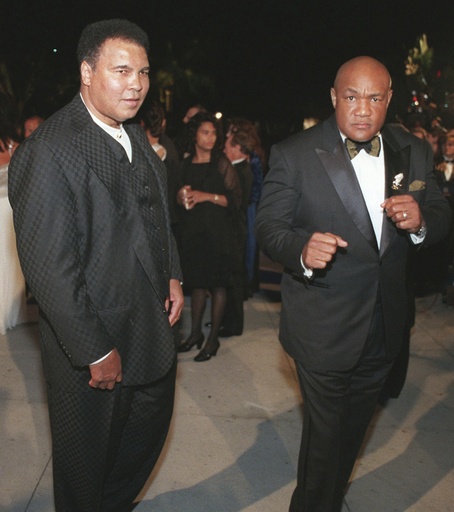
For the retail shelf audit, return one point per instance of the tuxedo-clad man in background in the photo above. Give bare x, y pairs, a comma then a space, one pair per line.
238, 147
444, 174
93, 231
341, 221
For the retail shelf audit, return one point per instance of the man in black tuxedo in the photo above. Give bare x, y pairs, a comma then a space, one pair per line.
238, 147
342, 226
94, 239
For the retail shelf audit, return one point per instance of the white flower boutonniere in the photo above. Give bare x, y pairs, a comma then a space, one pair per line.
397, 181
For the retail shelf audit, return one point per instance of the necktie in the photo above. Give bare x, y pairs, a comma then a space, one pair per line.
371, 146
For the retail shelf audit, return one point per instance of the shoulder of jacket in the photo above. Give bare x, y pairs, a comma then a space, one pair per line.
399, 137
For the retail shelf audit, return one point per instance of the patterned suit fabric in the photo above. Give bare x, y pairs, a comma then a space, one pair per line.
95, 244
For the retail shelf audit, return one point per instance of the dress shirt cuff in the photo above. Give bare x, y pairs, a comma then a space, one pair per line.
102, 358
309, 273
418, 238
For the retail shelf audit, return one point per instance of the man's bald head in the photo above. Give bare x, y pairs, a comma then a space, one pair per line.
360, 96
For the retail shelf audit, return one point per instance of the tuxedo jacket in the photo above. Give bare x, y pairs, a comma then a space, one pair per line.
312, 186
245, 178
95, 244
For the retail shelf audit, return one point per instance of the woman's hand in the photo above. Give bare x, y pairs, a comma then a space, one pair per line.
197, 196
182, 196
189, 198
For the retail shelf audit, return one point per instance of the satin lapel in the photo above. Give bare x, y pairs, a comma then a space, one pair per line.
397, 161
341, 172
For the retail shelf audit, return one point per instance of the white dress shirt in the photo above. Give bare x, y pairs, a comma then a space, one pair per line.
370, 172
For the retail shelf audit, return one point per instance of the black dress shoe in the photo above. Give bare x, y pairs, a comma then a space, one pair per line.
190, 342
207, 353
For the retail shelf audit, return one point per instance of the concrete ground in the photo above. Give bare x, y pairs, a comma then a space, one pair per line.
234, 438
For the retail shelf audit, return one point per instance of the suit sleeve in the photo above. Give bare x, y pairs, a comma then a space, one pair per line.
45, 219
435, 209
276, 234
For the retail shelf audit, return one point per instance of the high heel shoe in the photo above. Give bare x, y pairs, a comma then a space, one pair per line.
187, 345
206, 354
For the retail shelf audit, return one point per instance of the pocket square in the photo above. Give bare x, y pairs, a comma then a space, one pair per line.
417, 185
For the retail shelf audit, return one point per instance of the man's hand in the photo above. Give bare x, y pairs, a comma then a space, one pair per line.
174, 304
320, 249
404, 212
107, 373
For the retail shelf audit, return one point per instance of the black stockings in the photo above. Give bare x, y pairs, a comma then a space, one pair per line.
198, 303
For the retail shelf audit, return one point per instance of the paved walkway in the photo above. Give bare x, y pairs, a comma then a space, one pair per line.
235, 434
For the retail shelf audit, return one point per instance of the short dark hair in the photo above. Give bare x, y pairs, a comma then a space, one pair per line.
94, 36
243, 134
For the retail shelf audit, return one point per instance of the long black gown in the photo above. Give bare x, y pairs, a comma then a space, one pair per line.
205, 236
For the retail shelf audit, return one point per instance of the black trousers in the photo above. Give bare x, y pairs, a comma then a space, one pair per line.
233, 320
106, 443
337, 409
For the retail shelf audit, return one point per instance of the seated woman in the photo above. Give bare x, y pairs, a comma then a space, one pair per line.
209, 195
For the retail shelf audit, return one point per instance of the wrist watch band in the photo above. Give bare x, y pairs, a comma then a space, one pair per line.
422, 230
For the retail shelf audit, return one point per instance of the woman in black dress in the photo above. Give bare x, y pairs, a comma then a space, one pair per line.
209, 197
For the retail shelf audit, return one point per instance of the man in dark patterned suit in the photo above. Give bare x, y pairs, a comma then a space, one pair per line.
342, 204
94, 238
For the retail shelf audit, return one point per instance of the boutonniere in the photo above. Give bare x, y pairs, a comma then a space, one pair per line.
397, 181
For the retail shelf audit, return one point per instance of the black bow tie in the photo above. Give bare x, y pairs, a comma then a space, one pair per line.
371, 146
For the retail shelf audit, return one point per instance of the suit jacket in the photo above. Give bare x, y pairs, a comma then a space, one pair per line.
312, 186
245, 178
95, 244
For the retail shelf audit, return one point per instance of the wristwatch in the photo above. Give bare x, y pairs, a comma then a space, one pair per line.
422, 231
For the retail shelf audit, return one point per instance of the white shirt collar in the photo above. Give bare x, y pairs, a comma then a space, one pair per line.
238, 160
119, 134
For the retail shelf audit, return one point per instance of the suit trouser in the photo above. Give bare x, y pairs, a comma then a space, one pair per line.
233, 319
337, 408
106, 443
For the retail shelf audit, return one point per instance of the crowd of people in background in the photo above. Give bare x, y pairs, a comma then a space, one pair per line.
237, 141
214, 186
432, 270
